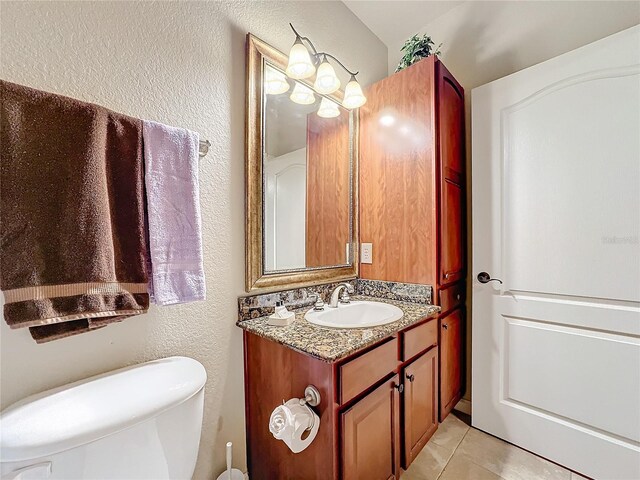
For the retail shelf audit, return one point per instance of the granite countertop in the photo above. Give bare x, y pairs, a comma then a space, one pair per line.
333, 344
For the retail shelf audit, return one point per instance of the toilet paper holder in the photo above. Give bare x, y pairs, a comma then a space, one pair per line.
311, 396
291, 421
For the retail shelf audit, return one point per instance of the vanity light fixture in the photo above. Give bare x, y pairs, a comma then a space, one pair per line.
302, 95
326, 79
275, 82
300, 65
353, 96
328, 109
303, 61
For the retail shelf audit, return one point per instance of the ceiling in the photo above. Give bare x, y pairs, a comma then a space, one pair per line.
394, 21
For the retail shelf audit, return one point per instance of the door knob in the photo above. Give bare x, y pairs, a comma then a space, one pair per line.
484, 277
411, 377
400, 387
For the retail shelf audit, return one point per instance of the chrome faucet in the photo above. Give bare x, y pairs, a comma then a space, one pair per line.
344, 298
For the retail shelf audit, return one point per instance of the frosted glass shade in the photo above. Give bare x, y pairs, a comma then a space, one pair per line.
326, 79
328, 109
302, 95
353, 96
300, 64
275, 82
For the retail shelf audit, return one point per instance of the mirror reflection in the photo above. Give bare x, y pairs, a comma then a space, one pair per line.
307, 158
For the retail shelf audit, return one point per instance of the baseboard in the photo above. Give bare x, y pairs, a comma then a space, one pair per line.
463, 406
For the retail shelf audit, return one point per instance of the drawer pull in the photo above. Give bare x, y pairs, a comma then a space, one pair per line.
399, 387
411, 377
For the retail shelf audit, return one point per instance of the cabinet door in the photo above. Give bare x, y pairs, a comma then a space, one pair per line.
420, 403
451, 126
452, 240
371, 435
451, 361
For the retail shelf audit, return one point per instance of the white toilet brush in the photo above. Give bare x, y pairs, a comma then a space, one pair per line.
230, 473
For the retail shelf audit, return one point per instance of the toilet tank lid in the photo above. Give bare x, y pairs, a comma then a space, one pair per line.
81, 412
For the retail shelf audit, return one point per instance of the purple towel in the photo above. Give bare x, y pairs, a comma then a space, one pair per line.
173, 205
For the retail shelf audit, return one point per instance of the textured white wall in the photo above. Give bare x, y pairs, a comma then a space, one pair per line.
181, 63
487, 40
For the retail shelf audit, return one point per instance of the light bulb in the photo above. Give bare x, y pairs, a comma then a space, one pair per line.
326, 79
328, 109
353, 96
275, 82
302, 95
300, 65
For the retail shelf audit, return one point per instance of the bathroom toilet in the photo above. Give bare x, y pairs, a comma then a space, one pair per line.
139, 422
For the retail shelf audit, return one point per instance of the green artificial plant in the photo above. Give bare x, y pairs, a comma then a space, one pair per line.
417, 48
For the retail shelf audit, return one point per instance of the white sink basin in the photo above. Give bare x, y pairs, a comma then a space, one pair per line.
357, 314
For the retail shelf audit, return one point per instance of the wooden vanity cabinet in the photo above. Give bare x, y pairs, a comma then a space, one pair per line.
371, 435
451, 368
378, 406
452, 245
420, 413
274, 373
412, 194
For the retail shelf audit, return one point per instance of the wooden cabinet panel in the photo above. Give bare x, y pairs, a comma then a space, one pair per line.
451, 361
451, 297
273, 373
418, 339
362, 372
420, 404
451, 126
452, 244
328, 190
397, 176
451, 139
370, 435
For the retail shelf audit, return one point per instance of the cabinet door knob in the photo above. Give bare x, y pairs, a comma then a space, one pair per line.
411, 377
400, 387
445, 326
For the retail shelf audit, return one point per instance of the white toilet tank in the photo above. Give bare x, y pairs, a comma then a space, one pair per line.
140, 422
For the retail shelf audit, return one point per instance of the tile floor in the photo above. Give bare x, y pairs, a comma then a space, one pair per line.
459, 452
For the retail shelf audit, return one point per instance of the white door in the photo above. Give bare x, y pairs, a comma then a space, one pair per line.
285, 211
556, 217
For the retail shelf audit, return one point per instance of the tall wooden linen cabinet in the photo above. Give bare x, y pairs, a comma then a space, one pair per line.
412, 199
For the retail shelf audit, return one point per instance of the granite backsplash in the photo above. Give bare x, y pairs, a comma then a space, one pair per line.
261, 305
402, 292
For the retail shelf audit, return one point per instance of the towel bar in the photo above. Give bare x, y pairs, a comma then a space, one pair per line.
204, 148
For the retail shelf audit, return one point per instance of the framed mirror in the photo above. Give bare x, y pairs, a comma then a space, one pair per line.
300, 178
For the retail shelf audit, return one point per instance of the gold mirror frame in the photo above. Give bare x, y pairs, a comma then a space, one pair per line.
255, 277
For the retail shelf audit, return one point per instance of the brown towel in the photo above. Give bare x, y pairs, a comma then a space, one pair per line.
72, 236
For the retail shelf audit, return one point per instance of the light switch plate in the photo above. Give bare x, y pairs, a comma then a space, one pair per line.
366, 253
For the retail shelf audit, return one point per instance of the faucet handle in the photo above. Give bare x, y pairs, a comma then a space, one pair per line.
319, 305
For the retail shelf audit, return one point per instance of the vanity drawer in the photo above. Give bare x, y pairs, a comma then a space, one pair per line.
362, 372
451, 297
418, 339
